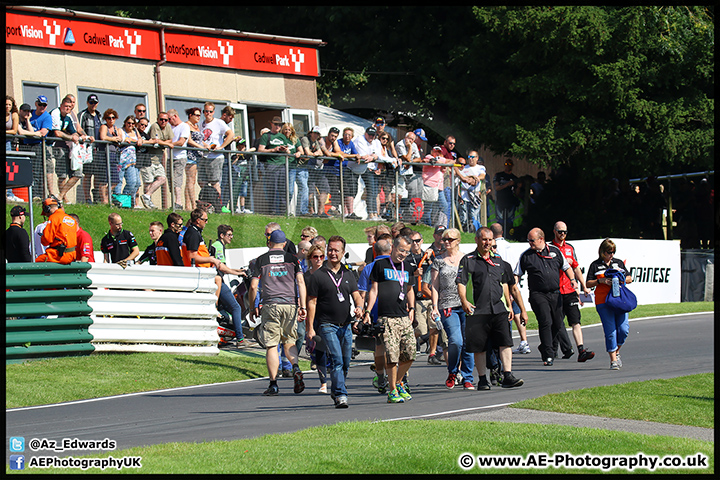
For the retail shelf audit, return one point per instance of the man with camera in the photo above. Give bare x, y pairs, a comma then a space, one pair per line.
328, 292
391, 286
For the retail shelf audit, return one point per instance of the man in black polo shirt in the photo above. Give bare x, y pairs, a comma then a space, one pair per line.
543, 263
328, 292
488, 318
119, 246
391, 285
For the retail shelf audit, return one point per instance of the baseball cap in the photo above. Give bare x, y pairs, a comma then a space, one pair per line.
379, 121
17, 210
25, 107
92, 98
439, 229
437, 147
278, 236
371, 130
42, 99
420, 133
315, 129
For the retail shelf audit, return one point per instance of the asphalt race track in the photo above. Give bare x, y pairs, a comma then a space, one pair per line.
659, 347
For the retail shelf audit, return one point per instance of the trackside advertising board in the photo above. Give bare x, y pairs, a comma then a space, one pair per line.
241, 54
654, 264
129, 41
82, 36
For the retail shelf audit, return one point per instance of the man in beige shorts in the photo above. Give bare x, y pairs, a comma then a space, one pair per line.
283, 299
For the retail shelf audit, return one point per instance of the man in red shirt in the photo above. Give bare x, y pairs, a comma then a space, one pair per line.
84, 249
570, 298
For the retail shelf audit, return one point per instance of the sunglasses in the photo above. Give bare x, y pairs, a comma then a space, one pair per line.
494, 247
162, 119
317, 256
208, 111
562, 232
140, 111
449, 239
417, 240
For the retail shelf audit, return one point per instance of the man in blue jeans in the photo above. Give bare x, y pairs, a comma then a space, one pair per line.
329, 291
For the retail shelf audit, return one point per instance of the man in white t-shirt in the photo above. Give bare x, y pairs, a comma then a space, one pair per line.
369, 148
181, 133
471, 179
218, 135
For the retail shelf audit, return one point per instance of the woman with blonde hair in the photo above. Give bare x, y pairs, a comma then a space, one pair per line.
615, 324
447, 306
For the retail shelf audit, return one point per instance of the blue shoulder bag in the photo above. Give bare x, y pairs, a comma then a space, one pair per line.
625, 301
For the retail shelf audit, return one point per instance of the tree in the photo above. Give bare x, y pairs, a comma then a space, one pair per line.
621, 89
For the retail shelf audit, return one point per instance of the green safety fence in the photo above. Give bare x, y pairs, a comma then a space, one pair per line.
46, 310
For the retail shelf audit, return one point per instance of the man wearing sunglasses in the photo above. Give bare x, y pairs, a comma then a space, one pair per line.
570, 299
544, 263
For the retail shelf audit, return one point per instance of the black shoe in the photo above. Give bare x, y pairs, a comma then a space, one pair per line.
299, 385
509, 381
286, 373
548, 362
483, 383
432, 360
271, 391
568, 354
586, 355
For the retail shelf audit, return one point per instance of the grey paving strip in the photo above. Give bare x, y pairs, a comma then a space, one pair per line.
523, 415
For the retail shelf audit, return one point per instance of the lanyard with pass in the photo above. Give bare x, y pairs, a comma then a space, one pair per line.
401, 278
341, 297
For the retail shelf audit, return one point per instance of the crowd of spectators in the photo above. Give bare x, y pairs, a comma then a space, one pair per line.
407, 179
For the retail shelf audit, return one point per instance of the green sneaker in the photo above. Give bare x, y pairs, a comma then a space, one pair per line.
403, 392
375, 381
394, 397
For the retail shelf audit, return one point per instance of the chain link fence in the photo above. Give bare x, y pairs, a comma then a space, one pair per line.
250, 182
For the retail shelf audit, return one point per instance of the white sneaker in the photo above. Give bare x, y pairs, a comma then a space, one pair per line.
523, 348
245, 210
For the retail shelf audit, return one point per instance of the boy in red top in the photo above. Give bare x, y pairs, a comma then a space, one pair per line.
84, 250
60, 234
570, 298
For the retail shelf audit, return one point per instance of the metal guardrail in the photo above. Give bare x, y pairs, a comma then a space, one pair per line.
248, 177
47, 311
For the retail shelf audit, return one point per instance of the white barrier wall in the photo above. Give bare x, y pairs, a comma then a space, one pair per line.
653, 264
146, 308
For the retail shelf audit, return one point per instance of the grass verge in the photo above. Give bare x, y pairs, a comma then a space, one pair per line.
47, 381
686, 400
404, 446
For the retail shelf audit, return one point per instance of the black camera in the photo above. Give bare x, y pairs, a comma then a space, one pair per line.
370, 329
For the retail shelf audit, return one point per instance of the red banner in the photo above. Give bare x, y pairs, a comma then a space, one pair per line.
241, 54
129, 41
80, 36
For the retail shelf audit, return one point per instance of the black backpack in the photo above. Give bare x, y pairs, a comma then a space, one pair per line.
209, 199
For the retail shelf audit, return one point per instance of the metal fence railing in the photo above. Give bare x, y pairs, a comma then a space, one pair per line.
250, 182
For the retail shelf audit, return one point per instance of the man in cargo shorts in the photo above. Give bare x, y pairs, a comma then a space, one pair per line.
283, 300
391, 285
